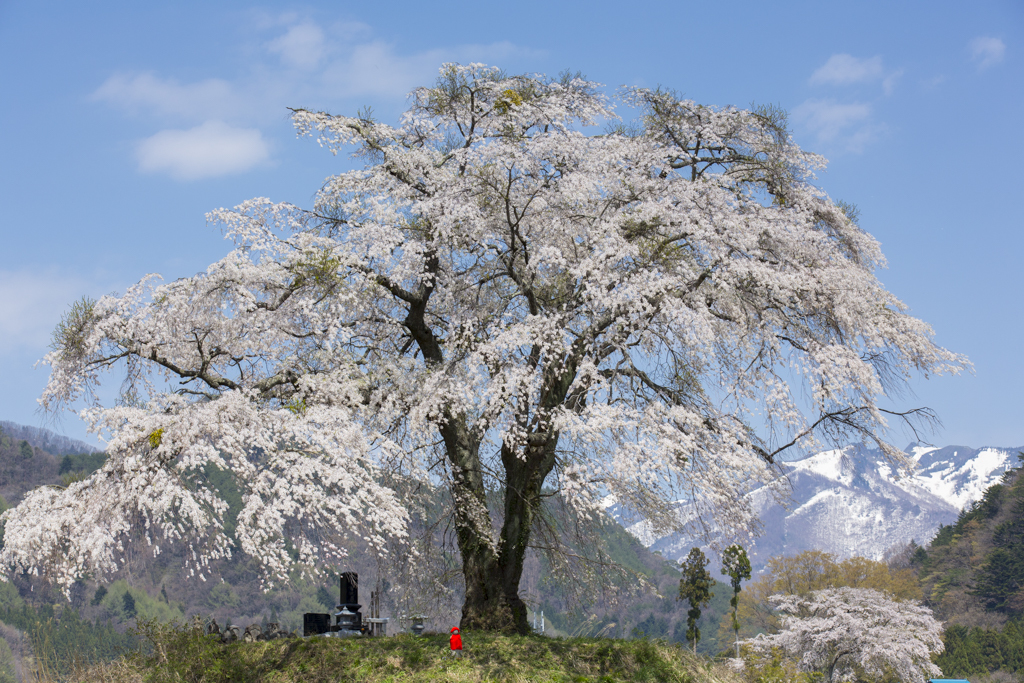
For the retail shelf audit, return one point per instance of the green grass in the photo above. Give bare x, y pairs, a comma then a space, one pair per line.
184, 656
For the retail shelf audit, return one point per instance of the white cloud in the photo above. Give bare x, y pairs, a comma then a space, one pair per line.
375, 68
843, 69
889, 82
312, 67
302, 47
296, 63
31, 305
206, 151
834, 122
212, 98
987, 51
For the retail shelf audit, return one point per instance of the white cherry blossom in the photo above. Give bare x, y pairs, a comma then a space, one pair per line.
504, 298
839, 631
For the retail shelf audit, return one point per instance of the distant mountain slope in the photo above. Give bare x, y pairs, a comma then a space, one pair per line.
849, 502
972, 572
46, 439
972, 577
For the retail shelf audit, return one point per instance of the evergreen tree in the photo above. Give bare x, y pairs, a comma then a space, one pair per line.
736, 566
129, 605
695, 587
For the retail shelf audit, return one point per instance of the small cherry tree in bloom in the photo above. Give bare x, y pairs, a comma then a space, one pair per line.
841, 632
501, 301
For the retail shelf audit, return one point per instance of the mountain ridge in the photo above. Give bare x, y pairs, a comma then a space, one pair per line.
48, 440
851, 501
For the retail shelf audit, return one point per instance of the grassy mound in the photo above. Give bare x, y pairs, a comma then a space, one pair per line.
184, 656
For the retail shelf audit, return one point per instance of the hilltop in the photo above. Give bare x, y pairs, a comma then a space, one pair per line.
487, 657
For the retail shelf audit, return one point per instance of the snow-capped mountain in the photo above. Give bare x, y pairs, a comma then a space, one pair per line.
850, 502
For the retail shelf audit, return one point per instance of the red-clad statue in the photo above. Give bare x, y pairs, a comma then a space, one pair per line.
456, 642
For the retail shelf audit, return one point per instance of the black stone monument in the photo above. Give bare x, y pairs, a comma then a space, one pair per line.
349, 600
314, 624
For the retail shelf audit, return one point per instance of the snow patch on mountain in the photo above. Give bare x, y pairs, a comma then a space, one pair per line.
962, 481
849, 501
828, 464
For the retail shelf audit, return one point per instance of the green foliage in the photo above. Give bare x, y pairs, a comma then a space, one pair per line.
976, 565
7, 674
778, 668
227, 487
25, 449
325, 597
84, 463
974, 651
223, 595
9, 598
131, 603
653, 626
986, 508
944, 536
61, 640
920, 555
69, 337
1000, 580
695, 587
101, 592
319, 270
735, 565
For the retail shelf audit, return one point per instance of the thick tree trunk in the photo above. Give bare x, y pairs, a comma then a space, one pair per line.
492, 571
485, 606
524, 479
493, 575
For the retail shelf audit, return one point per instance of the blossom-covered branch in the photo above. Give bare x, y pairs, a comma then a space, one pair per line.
633, 312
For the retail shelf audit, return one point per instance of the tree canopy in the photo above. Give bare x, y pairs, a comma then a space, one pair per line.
846, 631
812, 570
505, 297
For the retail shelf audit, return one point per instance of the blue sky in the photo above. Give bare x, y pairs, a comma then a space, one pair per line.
124, 123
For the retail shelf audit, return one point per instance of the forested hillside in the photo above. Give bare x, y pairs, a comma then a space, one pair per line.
972, 572
972, 576
45, 439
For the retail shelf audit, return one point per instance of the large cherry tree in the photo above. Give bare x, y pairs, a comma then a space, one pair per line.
517, 294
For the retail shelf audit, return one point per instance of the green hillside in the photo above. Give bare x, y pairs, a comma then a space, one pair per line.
972, 576
972, 572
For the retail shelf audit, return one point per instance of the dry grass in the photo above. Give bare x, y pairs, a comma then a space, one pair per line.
118, 671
